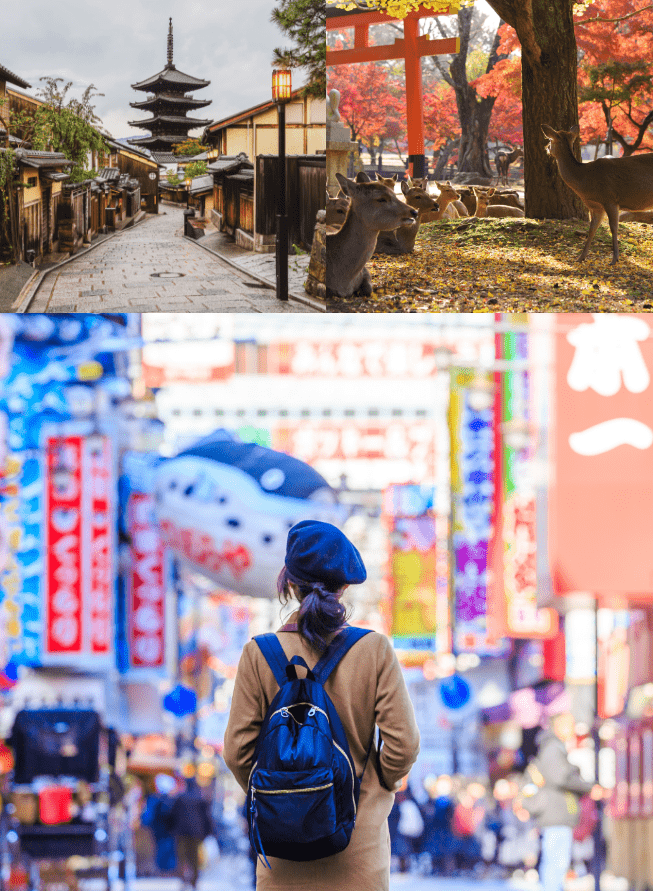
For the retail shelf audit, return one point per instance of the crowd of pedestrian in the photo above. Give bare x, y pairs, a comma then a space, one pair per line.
457, 826
179, 819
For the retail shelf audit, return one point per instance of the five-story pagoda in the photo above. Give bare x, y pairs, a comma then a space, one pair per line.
168, 104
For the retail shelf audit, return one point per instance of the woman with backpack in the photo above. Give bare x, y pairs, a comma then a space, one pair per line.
298, 742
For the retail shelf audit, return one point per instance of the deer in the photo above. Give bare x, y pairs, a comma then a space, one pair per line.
336, 210
504, 160
374, 208
485, 209
448, 195
402, 240
605, 185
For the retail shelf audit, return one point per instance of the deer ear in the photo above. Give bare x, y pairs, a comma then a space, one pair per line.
491, 192
362, 177
575, 130
549, 131
348, 186
394, 177
405, 188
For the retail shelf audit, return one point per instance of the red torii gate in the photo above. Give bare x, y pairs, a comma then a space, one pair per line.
411, 48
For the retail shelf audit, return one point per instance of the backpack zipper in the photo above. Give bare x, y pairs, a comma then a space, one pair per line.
289, 791
351, 770
285, 708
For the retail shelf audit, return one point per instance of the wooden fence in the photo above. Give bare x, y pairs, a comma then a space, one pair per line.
305, 190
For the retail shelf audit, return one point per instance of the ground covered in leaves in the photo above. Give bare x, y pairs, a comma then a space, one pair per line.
512, 265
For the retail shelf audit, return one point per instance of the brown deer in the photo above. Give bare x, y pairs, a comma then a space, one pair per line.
503, 161
506, 197
402, 240
336, 210
605, 185
448, 195
374, 208
485, 209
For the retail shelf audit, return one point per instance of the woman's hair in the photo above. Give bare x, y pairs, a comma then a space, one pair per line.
320, 612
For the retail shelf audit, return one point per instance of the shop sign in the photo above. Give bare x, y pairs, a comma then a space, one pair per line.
146, 585
647, 770
518, 512
99, 462
603, 455
472, 487
634, 785
21, 558
64, 633
374, 358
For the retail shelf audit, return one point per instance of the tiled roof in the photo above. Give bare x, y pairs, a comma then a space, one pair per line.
201, 184
171, 99
109, 174
228, 163
42, 159
153, 140
11, 78
169, 119
167, 158
172, 79
123, 146
56, 176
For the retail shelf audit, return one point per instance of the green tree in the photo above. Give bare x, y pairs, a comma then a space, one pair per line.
195, 168
189, 148
304, 21
173, 178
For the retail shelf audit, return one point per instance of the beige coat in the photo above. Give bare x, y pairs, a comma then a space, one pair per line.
366, 688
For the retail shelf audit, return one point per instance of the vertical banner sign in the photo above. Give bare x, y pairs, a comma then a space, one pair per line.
147, 595
64, 634
99, 467
601, 512
523, 618
21, 559
471, 436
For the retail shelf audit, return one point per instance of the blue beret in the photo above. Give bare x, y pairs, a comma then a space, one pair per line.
319, 552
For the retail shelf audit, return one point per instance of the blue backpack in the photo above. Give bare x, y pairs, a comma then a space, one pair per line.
303, 789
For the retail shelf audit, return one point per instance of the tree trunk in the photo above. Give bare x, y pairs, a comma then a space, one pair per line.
443, 157
474, 113
549, 95
380, 156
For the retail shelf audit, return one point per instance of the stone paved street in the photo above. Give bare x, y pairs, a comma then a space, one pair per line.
152, 268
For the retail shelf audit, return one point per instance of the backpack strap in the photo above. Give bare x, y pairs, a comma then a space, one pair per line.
340, 645
274, 656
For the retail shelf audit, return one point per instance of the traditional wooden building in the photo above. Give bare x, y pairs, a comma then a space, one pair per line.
137, 165
42, 176
169, 103
254, 131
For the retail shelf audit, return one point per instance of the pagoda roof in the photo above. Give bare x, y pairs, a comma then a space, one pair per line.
172, 79
9, 77
160, 140
170, 99
169, 119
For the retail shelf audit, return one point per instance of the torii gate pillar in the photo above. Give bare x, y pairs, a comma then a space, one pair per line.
410, 49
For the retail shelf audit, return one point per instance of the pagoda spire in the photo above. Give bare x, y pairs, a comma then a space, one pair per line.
170, 65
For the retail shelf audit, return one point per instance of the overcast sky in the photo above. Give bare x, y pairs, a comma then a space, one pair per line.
121, 42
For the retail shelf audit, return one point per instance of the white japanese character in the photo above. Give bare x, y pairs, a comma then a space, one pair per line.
607, 351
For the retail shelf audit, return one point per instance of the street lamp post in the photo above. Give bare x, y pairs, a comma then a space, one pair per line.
188, 182
281, 92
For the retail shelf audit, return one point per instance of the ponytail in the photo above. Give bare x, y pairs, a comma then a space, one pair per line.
320, 612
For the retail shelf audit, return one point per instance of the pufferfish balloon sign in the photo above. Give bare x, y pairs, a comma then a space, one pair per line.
225, 507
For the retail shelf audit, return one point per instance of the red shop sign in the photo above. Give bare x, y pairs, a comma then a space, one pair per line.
602, 497
634, 775
99, 464
63, 546
147, 586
